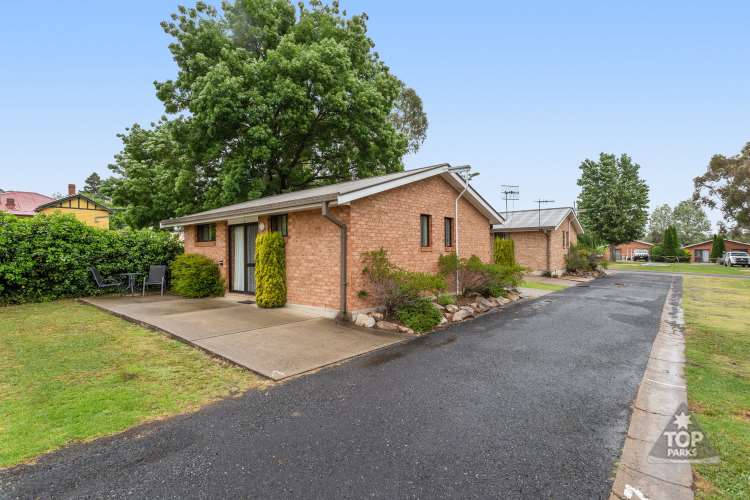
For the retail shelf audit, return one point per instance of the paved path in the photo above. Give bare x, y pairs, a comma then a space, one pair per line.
532, 402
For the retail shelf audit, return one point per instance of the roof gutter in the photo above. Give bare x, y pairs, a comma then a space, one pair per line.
325, 211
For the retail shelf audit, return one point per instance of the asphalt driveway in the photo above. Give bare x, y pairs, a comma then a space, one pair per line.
532, 401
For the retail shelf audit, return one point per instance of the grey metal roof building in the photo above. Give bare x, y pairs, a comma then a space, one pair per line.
531, 220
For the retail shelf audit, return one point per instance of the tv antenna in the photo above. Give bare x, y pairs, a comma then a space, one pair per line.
539, 203
510, 193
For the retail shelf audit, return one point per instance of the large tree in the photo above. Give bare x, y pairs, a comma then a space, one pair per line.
613, 201
267, 99
726, 185
658, 222
93, 184
691, 222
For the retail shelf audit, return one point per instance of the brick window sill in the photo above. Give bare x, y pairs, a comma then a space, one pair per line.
425, 249
205, 243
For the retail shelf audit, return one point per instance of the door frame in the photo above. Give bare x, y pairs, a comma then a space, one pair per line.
245, 257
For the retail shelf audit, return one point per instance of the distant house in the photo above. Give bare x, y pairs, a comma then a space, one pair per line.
541, 237
701, 252
625, 251
22, 203
27, 204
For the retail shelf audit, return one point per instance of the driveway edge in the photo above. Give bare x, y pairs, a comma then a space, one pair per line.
661, 391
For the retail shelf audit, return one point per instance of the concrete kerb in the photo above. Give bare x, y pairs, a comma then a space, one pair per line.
661, 391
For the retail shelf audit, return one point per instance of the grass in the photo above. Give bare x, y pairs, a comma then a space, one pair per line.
718, 377
69, 372
542, 286
661, 267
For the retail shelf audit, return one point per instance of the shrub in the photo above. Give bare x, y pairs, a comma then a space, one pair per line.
395, 288
47, 257
420, 315
195, 276
444, 299
474, 276
270, 270
504, 252
718, 248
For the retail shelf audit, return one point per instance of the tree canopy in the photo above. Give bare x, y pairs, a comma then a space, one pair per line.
658, 222
691, 222
726, 185
613, 201
268, 98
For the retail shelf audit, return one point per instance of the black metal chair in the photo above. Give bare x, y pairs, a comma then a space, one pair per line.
105, 282
157, 275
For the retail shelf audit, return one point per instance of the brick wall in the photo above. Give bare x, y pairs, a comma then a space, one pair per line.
531, 247
215, 250
627, 249
392, 220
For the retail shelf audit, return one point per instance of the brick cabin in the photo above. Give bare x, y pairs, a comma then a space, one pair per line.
411, 214
625, 251
701, 252
541, 238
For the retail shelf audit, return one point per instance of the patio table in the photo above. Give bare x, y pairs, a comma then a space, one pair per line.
131, 281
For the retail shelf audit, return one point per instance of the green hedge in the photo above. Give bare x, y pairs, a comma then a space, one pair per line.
270, 270
47, 257
195, 275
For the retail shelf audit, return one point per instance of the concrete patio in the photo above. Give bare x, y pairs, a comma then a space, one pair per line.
276, 343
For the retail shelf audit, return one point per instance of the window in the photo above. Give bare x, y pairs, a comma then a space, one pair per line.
425, 224
206, 232
566, 239
448, 232
279, 223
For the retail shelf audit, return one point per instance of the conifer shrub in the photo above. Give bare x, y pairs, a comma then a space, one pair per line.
270, 270
195, 276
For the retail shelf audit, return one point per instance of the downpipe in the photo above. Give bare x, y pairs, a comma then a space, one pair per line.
343, 285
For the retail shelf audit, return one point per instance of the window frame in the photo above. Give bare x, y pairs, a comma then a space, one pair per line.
211, 233
277, 225
449, 232
428, 218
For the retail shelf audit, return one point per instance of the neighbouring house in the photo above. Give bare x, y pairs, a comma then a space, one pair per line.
327, 229
22, 203
625, 251
701, 252
541, 238
26, 204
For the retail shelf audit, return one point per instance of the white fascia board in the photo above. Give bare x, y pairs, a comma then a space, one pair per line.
249, 215
345, 198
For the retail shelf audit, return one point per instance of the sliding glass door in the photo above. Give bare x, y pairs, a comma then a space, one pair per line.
243, 257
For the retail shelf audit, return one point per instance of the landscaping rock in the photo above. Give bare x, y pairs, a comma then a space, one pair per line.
387, 325
489, 304
377, 315
405, 329
502, 301
512, 296
364, 320
448, 317
443, 320
462, 314
438, 307
451, 308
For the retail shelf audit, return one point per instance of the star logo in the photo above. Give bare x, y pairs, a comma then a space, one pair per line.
682, 421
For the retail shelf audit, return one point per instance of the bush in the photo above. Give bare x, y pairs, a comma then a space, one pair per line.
420, 316
47, 257
270, 270
195, 276
474, 276
445, 300
504, 252
395, 288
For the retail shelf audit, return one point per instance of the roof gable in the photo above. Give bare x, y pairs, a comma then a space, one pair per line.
75, 201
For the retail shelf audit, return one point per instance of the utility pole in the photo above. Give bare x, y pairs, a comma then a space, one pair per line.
539, 208
510, 193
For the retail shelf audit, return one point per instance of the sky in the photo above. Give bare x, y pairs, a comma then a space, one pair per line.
522, 91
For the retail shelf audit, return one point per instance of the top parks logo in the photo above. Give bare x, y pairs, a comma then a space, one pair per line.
683, 441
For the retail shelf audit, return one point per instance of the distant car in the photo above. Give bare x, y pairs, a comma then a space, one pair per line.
640, 254
736, 259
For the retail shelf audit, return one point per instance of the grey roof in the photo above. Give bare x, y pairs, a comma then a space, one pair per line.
330, 192
528, 220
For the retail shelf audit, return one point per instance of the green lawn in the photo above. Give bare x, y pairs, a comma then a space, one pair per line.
542, 286
69, 372
717, 313
661, 267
